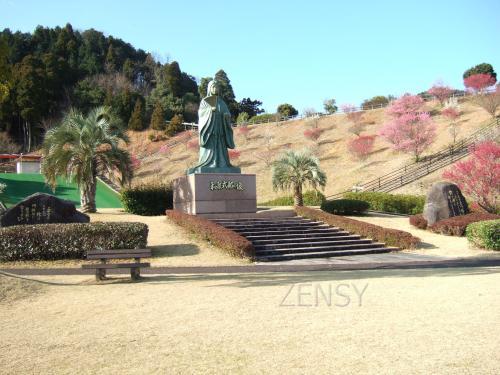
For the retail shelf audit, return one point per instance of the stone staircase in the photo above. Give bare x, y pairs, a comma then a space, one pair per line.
289, 238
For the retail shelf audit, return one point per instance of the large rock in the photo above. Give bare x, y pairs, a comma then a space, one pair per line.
444, 200
42, 208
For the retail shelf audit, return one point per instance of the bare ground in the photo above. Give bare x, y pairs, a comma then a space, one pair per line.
441, 321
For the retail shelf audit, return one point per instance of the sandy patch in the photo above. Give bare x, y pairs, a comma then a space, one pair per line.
432, 243
13, 288
441, 321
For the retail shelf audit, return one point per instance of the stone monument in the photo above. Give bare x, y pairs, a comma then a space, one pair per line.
41, 208
444, 200
214, 186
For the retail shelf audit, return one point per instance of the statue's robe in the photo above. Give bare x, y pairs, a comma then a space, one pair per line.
215, 137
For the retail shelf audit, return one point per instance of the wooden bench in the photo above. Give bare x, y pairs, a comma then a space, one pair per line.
104, 255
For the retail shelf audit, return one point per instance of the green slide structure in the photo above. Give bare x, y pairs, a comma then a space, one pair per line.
20, 186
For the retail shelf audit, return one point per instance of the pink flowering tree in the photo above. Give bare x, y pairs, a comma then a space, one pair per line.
479, 175
360, 147
410, 130
244, 131
313, 134
135, 162
193, 144
355, 116
452, 114
479, 82
440, 92
406, 104
234, 155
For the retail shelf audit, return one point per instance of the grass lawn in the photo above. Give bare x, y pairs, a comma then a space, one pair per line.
20, 186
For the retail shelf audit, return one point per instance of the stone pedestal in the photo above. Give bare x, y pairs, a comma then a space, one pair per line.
215, 193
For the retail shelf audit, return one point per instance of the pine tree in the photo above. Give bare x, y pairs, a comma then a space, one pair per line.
157, 118
136, 121
175, 125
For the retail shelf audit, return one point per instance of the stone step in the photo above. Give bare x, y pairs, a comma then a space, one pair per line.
302, 245
323, 254
319, 248
319, 238
263, 220
276, 225
288, 233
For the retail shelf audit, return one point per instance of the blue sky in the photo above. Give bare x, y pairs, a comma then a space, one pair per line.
300, 52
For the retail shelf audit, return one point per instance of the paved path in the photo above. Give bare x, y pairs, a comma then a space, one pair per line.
369, 264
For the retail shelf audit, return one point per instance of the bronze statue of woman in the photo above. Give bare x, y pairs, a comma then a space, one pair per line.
215, 134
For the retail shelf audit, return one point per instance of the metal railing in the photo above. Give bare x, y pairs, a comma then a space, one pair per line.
431, 163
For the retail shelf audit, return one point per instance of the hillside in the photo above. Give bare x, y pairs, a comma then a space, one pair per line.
265, 141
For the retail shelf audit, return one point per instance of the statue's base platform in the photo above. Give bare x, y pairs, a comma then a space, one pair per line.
215, 193
213, 170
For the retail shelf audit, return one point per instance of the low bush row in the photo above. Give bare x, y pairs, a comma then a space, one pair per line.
310, 198
485, 234
148, 199
418, 221
64, 241
223, 238
456, 226
396, 203
345, 207
391, 237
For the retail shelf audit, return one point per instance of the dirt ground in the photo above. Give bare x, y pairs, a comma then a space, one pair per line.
440, 321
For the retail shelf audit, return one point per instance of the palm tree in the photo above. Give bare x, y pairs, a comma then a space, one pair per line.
294, 169
82, 147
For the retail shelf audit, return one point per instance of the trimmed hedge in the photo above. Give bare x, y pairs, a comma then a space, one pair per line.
391, 237
148, 199
485, 234
223, 238
310, 198
65, 241
345, 207
418, 221
456, 226
396, 203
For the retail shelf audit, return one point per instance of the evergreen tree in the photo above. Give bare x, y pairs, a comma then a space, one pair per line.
173, 78
226, 92
136, 121
110, 59
483, 68
202, 89
250, 106
157, 118
175, 126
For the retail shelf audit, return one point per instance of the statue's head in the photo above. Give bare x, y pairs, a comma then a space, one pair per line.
213, 88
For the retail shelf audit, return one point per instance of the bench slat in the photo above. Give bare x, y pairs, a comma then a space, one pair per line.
119, 256
115, 265
118, 251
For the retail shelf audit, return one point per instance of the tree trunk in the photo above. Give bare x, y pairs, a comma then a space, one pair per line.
297, 195
87, 196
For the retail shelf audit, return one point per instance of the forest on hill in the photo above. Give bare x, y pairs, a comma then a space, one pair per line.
44, 73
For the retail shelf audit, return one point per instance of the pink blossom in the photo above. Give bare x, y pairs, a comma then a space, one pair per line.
479, 82
440, 92
234, 154
450, 112
406, 104
479, 175
361, 146
313, 134
410, 132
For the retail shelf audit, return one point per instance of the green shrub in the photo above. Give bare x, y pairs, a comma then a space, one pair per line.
311, 198
457, 225
396, 203
63, 241
223, 238
148, 199
345, 207
265, 117
485, 234
391, 237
